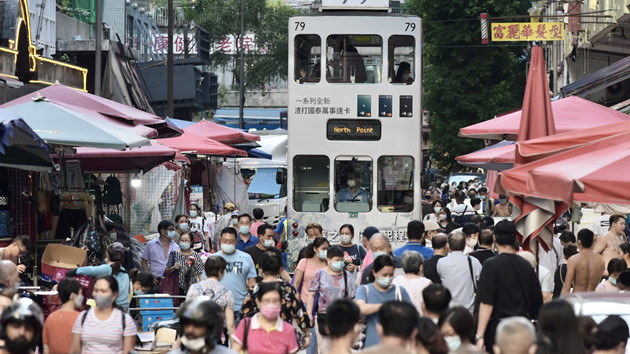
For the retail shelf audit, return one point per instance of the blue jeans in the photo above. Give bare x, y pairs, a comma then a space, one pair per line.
312, 348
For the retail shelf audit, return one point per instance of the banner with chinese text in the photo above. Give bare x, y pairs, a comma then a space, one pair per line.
527, 31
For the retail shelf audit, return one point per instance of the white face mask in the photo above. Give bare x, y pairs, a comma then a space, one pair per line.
438, 209
268, 243
472, 242
194, 345
352, 183
442, 217
345, 239
453, 342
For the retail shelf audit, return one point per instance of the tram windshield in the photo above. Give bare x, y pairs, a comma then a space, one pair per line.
395, 183
353, 184
311, 183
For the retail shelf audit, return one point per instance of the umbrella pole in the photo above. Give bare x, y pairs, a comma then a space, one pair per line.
209, 183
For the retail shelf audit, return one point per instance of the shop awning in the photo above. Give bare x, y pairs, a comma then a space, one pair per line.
141, 158
58, 125
598, 80
21, 147
71, 98
189, 143
221, 133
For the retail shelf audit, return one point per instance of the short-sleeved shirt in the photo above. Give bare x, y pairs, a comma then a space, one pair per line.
292, 307
601, 225
122, 278
256, 252
58, 331
254, 228
280, 339
368, 269
308, 268
154, 254
242, 245
430, 269
345, 195
103, 336
374, 296
503, 282
426, 252
215, 290
356, 252
455, 272
186, 273
331, 287
240, 267
414, 287
218, 349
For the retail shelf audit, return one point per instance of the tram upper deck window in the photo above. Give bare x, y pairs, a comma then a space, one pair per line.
308, 53
401, 51
354, 59
395, 184
311, 183
353, 184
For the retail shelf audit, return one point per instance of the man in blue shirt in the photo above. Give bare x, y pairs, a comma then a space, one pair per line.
353, 192
240, 272
245, 238
415, 230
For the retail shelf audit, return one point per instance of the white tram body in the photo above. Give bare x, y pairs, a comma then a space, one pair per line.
355, 114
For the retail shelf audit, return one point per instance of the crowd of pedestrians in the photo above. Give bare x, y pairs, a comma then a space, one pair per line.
452, 288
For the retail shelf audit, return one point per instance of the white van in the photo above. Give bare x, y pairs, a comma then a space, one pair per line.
263, 189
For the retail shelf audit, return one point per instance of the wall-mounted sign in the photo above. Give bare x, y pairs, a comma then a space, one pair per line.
527, 31
356, 129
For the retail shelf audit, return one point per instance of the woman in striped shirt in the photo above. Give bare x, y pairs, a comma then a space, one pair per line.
186, 262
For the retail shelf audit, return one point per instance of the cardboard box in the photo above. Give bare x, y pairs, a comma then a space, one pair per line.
57, 259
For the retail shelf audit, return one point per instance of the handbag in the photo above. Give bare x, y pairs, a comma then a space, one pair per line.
321, 316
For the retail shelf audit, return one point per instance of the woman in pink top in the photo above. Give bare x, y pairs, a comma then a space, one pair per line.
315, 260
615, 267
265, 332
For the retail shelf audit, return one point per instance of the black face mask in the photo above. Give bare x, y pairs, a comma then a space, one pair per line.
18, 346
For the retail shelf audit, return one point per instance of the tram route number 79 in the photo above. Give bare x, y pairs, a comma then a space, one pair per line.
299, 25
410, 26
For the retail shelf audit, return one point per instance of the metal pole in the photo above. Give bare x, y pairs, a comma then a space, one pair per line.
97, 52
169, 64
241, 97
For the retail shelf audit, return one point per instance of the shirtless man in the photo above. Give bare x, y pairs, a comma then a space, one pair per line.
608, 245
586, 268
504, 208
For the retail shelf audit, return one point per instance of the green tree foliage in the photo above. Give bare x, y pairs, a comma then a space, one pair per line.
267, 19
465, 82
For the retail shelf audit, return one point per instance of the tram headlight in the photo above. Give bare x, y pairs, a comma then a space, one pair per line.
295, 233
295, 225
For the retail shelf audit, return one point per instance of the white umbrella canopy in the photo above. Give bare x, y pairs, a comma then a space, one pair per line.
61, 126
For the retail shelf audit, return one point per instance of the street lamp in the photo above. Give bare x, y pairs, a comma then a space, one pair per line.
136, 182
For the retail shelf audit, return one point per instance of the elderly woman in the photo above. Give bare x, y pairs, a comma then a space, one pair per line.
413, 281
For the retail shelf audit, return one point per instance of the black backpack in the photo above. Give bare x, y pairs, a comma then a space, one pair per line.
112, 195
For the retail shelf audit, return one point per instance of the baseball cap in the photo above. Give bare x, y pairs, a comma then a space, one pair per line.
230, 206
430, 225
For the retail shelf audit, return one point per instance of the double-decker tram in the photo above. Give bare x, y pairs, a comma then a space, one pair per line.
355, 119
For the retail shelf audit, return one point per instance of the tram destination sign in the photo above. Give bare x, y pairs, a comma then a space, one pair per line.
357, 129
355, 3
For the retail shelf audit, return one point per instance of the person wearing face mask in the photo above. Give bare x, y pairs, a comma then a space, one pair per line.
186, 262
615, 267
103, 328
353, 192
57, 333
141, 283
245, 238
200, 228
266, 331
353, 254
379, 245
487, 203
458, 327
402, 74
240, 271
182, 226
415, 236
436, 207
22, 322
504, 208
155, 254
459, 272
330, 283
472, 231
115, 257
314, 260
444, 218
266, 243
223, 221
371, 297
201, 322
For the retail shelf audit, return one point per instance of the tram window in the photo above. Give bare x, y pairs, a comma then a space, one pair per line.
353, 184
401, 51
354, 58
395, 184
311, 192
308, 52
